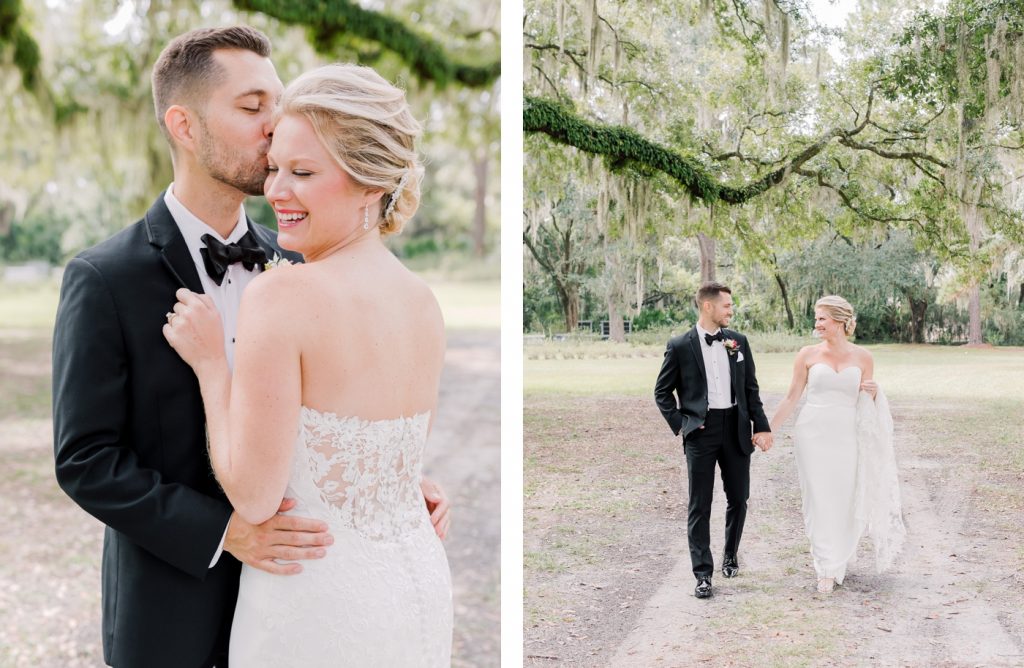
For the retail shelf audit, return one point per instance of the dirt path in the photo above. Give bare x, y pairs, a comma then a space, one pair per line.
954, 598
608, 579
50, 553
464, 455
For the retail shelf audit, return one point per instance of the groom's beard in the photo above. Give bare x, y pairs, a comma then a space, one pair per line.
230, 167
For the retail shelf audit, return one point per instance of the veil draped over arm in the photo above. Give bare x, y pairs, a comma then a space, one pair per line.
877, 506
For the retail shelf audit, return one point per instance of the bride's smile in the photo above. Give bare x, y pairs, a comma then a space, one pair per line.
320, 208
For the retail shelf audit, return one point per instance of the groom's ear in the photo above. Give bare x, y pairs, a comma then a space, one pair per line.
178, 120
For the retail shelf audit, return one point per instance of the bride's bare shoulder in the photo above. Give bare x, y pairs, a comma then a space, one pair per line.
422, 300
808, 351
274, 291
863, 353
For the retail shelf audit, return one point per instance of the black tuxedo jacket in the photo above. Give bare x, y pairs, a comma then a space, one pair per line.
683, 377
130, 447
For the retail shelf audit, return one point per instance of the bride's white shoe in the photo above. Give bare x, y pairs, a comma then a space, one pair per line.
826, 585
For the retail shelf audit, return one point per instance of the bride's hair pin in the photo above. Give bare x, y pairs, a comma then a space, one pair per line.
396, 194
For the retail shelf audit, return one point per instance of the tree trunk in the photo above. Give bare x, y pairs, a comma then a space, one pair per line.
640, 287
480, 166
785, 301
616, 329
918, 308
707, 257
569, 296
974, 313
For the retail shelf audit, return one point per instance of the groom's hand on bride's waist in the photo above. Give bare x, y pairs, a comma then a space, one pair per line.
438, 506
281, 537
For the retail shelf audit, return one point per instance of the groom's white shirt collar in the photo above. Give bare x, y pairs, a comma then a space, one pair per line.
701, 332
192, 228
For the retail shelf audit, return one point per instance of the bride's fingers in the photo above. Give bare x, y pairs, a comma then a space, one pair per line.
186, 296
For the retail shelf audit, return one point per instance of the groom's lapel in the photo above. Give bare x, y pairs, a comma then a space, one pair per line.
732, 360
163, 233
267, 240
264, 238
697, 354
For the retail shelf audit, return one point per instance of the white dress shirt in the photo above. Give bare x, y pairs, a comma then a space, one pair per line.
716, 368
228, 295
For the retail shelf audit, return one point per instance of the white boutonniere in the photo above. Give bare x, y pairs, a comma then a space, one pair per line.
278, 261
732, 346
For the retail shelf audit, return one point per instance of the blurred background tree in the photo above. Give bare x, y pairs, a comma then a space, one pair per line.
81, 155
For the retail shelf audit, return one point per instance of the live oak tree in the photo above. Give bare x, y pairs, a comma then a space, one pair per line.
739, 107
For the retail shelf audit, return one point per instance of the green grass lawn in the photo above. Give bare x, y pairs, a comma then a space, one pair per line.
467, 305
903, 371
28, 306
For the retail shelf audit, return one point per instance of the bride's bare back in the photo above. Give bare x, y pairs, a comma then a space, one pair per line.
370, 335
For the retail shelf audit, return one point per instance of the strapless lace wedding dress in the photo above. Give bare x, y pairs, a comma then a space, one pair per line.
382, 595
826, 457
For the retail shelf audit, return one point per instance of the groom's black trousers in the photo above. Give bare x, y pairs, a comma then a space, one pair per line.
717, 443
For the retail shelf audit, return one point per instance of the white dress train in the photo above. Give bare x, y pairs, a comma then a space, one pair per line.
847, 468
382, 595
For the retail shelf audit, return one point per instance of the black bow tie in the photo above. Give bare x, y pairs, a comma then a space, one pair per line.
711, 338
217, 257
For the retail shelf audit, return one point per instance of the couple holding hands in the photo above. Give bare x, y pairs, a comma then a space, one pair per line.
707, 391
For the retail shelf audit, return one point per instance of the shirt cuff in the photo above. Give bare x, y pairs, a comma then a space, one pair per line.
220, 549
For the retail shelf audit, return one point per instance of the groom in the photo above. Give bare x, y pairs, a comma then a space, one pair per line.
129, 425
708, 392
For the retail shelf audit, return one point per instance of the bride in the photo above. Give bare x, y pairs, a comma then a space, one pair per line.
335, 386
843, 448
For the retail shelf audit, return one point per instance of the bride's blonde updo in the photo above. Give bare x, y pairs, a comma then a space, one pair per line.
839, 310
365, 124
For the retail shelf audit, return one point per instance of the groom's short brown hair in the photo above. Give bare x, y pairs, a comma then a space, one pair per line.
709, 292
186, 70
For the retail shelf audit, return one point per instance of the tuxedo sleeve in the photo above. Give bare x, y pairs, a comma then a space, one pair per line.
96, 464
754, 408
663, 390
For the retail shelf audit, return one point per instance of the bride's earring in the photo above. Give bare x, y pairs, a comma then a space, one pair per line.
366, 217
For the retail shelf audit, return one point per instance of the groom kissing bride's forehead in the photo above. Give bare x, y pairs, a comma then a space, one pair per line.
707, 391
130, 434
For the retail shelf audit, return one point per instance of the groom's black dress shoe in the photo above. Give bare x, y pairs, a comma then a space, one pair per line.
703, 589
730, 567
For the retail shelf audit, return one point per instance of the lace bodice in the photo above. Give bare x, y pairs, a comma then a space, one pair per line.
382, 593
363, 474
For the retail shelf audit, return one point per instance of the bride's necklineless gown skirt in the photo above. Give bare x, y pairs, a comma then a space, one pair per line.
826, 457
382, 595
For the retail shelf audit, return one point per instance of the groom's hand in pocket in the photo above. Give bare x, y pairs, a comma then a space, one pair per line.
282, 537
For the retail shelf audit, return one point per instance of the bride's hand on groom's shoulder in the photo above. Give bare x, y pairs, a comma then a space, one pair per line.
194, 329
